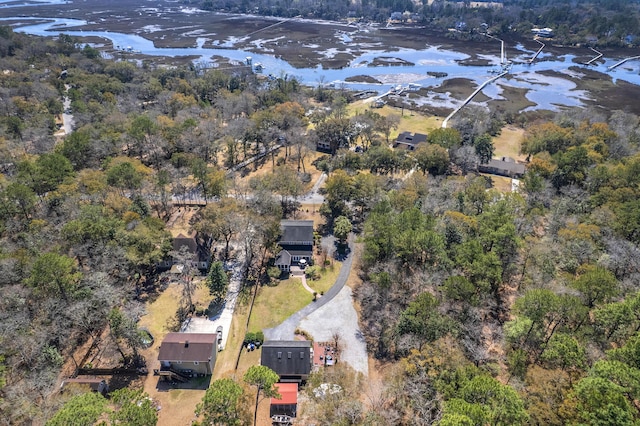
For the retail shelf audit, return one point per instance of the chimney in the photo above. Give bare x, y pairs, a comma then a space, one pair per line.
186, 344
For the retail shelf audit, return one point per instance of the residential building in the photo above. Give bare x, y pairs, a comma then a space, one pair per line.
296, 242
323, 146
409, 141
188, 354
287, 404
290, 359
505, 166
199, 255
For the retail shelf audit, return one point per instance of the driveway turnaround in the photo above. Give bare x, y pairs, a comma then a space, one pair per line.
333, 312
339, 316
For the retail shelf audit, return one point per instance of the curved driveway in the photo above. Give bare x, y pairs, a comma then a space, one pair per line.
285, 331
333, 313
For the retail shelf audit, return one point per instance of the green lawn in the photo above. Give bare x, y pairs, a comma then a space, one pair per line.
410, 121
328, 277
274, 304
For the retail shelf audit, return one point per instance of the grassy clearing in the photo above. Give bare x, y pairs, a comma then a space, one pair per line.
501, 183
274, 304
226, 361
410, 121
507, 144
327, 278
310, 212
161, 311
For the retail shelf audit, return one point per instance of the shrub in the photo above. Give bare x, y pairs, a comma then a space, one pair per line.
312, 272
256, 338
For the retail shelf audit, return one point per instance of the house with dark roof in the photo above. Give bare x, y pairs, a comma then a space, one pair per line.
188, 354
409, 141
198, 254
505, 166
324, 146
287, 404
290, 359
296, 243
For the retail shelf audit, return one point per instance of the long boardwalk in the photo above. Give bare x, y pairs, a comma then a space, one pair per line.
617, 64
482, 86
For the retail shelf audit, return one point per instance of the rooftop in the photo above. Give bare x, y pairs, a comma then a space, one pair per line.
187, 347
287, 344
296, 230
288, 394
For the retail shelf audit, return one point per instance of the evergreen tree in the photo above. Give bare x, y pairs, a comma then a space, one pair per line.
217, 280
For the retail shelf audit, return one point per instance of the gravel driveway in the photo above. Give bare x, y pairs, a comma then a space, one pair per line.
340, 316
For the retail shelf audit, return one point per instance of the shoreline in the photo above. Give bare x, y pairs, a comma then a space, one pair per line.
328, 45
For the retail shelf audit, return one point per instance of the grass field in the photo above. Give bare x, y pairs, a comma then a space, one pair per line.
274, 304
507, 143
410, 121
501, 183
328, 277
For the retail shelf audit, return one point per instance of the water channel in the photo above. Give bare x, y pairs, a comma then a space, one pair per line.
545, 91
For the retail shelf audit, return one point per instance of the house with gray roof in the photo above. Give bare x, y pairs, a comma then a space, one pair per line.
505, 166
409, 141
290, 359
296, 243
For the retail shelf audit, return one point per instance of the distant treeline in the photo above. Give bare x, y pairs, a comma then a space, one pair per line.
597, 22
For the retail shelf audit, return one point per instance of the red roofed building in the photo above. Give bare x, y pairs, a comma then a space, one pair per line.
287, 404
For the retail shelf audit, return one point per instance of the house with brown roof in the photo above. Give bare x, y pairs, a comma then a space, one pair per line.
188, 354
197, 254
296, 243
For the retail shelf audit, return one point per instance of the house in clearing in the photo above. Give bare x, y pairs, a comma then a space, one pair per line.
290, 359
296, 242
409, 141
505, 166
197, 254
187, 354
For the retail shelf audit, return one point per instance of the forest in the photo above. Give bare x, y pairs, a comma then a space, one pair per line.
484, 307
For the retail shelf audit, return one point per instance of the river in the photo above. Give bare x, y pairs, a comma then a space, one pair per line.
545, 91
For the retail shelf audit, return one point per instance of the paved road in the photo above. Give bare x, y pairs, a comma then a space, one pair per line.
313, 196
285, 331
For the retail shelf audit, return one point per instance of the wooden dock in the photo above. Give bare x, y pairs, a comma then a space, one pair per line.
542, 45
617, 64
466, 101
598, 56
